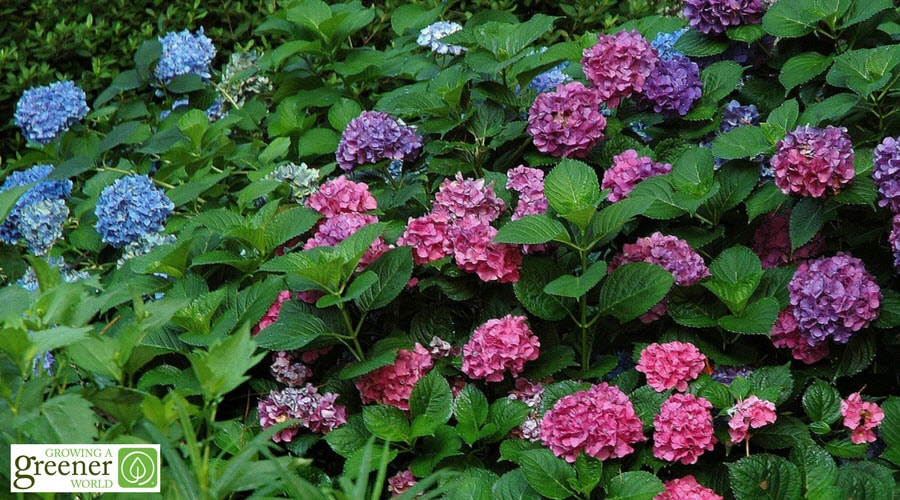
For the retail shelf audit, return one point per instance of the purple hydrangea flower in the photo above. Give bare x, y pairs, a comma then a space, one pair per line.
44, 113
374, 136
727, 374
673, 86
735, 115
130, 208
41, 224
628, 169
618, 65
549, 80
833, 297
664, 43
184, 53
715, 16
43, 364
430, 36
10, 229
887, 173
317, 412
894, 240
811, 160
566, 122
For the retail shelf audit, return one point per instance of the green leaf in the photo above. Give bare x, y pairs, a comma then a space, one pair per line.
410, 17
506, 414
387, 422
535, 274
844, 448
294, 329
803, 68
830, 108
572, 186
773, 383
767, 198
348, 438
764, 476
692, 172
867, 480
807, 218
514, 486
756, 319
857, 356
747, 141
431, 398
890, 426
574, 287
532, 230
546, 473
787, 431
816, 466
736, 273
359, 285
633, 288
221, 369
822, 402
647, 402
394, 269
747, 33
889, 311
790, 19
589, 470
471, 411
550, 362
318, 141
720, 79
695, 44
736, 181
863, 11
864, 70
635, 485
610, 220
66, 418
289, 224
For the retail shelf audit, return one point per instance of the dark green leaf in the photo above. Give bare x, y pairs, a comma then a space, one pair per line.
635, 485
546, 473
742, 142
692, 172
387, 422
393, 269
632, 289
695, 44
471, 410
532, 230
790, 19
757, 318
431, 397
514, 486
720, 79
535, 274
574, 287
764, 476
803, 68
867, 480
815, 465
294, 329
857, 356
822, 402
807, 219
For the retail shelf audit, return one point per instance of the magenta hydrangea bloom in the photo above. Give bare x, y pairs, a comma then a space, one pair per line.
715, 16
392, 384
600, 422
671, 365
461, 197
672, 87
400, 482
810, 161
618, 65
474, 251
529, 183
861, 417
334, 230
683, 429
833, 297
428, 237
894, 240
786, 334
751, 413
271, 315
772, 242
498, 346
341, 195
316, 412
628, 169
287, 370
374, 136
887, 173
566, 123
669, 252
686, 488
530, 393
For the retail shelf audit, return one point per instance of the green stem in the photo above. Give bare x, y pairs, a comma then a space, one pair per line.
583, 323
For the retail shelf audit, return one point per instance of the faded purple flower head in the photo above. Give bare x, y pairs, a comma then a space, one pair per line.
887, 173
715, 16
374, 136
566, 123
288, 370
316, 412
727, 374
618, 65
833, 297
811, 160
672, 87
628, 169
735, 115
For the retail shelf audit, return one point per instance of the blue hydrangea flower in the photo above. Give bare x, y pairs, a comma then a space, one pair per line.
213, 112
41, 224
44, 113
664, 43
430, 36
29, 280
395, 168
548, 80
130, 208
144, 245
734, 115
43, 190
43, 364
184, 53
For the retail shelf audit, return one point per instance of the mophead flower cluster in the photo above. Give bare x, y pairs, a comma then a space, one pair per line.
45, 113
185, 53
812, 161
374, 136
130, 208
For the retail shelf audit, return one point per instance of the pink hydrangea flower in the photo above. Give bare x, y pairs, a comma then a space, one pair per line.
314, 411
374, 136
462, 197
810, 161
287, 370
833, 297
628, 169
618, 65
271, 316
475, 252
671, 365
341, 226
772, 242
751, 413
861, 417
599, 422
428, 237
785, 333
392, 384
341, 195
400, 482
498, 346
529, 183
683, 429
566, 123
686, 488
530, 393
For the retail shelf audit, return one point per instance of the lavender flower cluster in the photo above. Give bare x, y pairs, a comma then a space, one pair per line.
39, 214
430, 36
185, 53
673, 86
374, 136
130, 208
45, 113
715, 16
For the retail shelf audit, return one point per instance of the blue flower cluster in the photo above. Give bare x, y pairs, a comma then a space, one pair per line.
184, 53
213, 112
130, 208
144, 244
29, 280
44, 113
42, 225
431, 35
548, 80
735, 115
664, 43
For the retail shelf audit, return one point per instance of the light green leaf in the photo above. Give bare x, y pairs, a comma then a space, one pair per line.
635, 485
692, 172
757, 318
431, 398
803, 68
546, 473
532, 230
387, 422
790, 19
221, 369
747, 141
471, 411
574, 287
572, 186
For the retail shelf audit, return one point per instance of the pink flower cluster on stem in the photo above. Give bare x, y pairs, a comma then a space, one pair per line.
686, 488
628, 169
400, 482
618, 65
751, 413
566, 123
683, 429
498, 346
810, 161
772, 242
861, 417
671, 365
392, 384
600, 422
314, 411
786, 334
529, 183
271, 316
